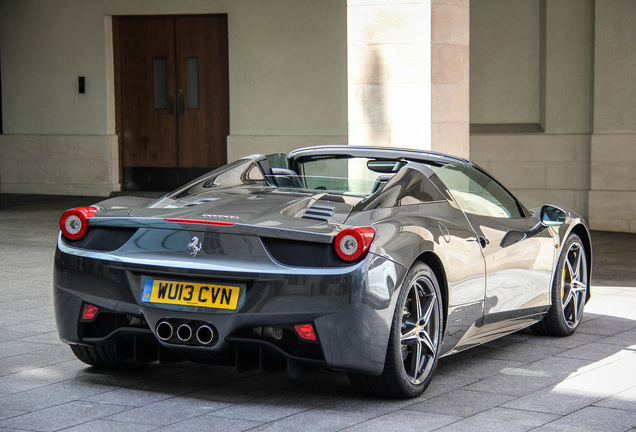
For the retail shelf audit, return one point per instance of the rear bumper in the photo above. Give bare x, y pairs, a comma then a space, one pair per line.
351, 309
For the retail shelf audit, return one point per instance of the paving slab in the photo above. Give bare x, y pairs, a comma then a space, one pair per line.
522, 382
210, 423
593, 419
501, 420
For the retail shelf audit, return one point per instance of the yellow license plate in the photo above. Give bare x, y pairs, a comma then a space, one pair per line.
191, 294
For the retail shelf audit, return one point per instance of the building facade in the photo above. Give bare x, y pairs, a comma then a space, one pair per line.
99, 95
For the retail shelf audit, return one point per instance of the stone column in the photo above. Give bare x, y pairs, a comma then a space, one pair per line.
408, 74
612, 197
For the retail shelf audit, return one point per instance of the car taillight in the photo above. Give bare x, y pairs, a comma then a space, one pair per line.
89, 312
74, 222
353, 243
306, 331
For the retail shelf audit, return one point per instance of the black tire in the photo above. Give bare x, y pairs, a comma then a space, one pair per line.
569, 291
414, 341
101, 356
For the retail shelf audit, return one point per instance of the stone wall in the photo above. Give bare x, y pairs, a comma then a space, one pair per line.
408, 74
288, 76
613, 183
59, 164
243, 145
613, 180
538, 168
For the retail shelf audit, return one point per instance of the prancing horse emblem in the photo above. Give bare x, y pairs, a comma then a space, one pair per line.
194, 246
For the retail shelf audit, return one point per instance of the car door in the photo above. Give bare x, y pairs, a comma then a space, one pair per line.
518, 251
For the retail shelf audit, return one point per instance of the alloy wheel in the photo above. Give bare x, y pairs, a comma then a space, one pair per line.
574, 284
419, 338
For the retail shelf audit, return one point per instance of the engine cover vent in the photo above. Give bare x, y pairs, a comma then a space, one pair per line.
319, 212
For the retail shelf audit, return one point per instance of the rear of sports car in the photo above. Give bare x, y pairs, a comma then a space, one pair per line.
249, 277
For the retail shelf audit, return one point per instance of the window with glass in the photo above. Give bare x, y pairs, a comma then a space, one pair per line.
477, 193
349, 175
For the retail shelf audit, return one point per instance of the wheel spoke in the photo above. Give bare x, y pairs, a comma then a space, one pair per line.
416, 358
427, 342
415, 292
575, 307
430, 307
426, 325
577, 268
570, 270
568, 300
579, 290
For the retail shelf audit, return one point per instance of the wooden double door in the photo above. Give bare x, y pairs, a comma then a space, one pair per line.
172, 98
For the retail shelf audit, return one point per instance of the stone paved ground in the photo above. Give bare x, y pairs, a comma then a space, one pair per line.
522, 382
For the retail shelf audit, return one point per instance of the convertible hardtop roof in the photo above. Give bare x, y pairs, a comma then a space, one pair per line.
377, 152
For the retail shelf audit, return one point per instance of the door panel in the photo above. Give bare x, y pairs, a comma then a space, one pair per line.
519, 272
172, 98
517, 249
202, 87
148, 134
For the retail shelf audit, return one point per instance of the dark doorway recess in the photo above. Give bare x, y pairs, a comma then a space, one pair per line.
172, 98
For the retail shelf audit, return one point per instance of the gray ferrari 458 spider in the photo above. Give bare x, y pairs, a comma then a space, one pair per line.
372, 261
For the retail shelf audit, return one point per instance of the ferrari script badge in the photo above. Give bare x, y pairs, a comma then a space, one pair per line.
194, 246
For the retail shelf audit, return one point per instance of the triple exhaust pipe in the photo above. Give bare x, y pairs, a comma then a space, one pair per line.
192, 333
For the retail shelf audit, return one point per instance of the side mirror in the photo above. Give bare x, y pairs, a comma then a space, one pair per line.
553, 216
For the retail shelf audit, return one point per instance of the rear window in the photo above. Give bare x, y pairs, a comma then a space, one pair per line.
334, 173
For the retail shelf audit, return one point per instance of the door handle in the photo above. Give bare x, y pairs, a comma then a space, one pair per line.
483, 241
